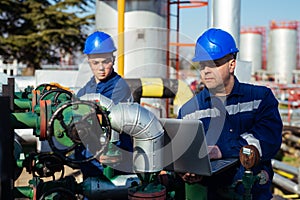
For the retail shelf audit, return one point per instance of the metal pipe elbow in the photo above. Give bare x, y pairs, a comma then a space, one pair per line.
135, 120
97, 97
146, 131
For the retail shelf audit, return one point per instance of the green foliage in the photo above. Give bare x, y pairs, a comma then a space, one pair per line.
35, 31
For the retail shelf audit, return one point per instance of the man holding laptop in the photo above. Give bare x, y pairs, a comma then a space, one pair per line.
233, 114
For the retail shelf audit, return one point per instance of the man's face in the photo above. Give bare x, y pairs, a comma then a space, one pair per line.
101, 65
216, 77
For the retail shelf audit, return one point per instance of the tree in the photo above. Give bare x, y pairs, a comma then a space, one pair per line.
35, 31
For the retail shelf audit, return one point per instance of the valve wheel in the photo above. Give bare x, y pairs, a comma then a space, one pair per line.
45, 87
56, 93
90, 129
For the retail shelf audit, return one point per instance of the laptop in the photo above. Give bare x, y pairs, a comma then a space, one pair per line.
185, 148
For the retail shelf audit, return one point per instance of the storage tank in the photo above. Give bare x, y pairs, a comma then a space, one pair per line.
282, 51
145, 38
252, 47
225, 14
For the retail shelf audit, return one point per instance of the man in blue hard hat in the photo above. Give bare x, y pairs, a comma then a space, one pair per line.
234, 114
99, 48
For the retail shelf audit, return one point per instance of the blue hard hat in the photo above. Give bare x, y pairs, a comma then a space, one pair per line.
99, 42
214, 44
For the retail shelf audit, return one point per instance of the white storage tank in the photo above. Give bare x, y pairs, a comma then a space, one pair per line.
225, 14
283, 50
252, 47
145, 39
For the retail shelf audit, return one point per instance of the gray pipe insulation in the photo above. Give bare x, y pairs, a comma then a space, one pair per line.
284, 182
144, 127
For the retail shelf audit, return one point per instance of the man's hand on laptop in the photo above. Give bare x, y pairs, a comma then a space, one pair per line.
214, 152
191, 178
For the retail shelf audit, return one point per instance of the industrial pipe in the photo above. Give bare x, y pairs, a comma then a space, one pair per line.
121, 20
24, 120
293, 138
101, 99
286, 183
160, 88
116, 188
142, 125
147, 132
285, 167
23, 103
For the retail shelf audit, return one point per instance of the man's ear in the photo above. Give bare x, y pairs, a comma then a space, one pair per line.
232, 64
114, 59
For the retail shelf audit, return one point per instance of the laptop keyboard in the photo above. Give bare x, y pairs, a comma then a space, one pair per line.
219, 164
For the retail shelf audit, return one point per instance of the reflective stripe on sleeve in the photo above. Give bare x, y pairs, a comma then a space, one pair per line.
231, 109
251, 140
199, 114
242, 107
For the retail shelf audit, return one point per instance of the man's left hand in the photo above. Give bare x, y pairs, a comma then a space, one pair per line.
214, 152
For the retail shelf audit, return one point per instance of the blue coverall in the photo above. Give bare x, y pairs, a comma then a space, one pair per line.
116, 89
248, 115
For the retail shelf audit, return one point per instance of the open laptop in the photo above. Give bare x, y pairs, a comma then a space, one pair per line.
185, 148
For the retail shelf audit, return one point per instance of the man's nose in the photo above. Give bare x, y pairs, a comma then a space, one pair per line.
206, 69
101, 67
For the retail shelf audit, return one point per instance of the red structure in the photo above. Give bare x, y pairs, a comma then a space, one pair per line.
179, 5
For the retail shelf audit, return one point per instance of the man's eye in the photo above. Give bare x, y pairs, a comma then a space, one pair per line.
106, 61
201, 66
95, 62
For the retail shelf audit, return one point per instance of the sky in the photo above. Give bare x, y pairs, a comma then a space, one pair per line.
253, 13
193, 21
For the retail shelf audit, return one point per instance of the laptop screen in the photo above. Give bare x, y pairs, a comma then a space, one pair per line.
185, 148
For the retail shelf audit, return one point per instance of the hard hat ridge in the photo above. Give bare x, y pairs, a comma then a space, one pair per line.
98, 43
214, 44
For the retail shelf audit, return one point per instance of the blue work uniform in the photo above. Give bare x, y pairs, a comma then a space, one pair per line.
115, 88
248, 115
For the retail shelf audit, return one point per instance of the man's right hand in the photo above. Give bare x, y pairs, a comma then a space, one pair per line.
191, 178
214, 153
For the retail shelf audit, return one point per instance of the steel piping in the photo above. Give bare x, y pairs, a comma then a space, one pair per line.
144, 127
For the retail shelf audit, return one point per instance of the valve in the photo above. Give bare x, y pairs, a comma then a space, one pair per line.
43, 165
45, 87
62, 189
57, 96
30, 97
249, 156
53, 91
79, 123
